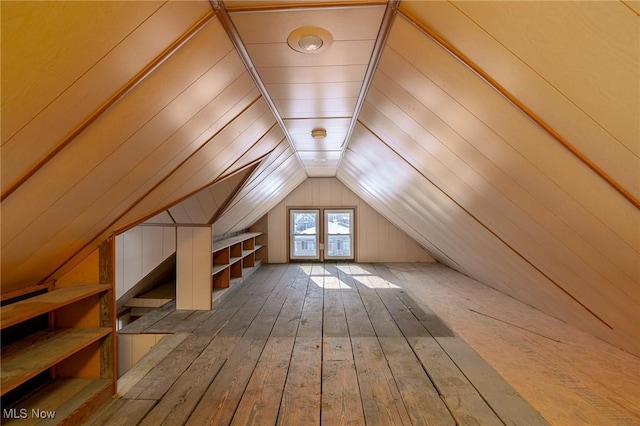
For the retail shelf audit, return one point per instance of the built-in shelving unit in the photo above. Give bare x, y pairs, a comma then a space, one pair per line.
70, 361
58, 345
205, 269
234, 258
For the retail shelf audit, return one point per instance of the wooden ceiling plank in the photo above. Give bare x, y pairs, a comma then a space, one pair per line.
280, 152
511, 223
217, 156
35, 40
205, 165
522, 107
525, 81
341, 53
307, 74
468, 175
312, 108
141, 206
139, 115
492, 109
257, 28
600, 40
333, 90
12, 181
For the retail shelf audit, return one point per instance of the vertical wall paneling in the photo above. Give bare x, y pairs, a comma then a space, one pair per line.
377, 239
139, 251
194, 267
132, 347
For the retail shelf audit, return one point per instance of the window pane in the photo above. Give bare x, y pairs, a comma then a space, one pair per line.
339, 223
339, 245
304, 245
305, 223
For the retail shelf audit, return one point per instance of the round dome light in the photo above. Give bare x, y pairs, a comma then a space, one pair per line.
309, 39
319, 133
310, 43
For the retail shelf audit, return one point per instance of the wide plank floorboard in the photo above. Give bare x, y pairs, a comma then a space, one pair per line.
311, 344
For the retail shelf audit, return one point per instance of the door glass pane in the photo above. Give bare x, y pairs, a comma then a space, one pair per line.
304, 246
305, 223
339, 246
304, 234
339, 234
339, 223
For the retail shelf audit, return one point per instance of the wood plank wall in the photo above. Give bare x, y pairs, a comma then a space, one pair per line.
194, 266
139, 251
377, 239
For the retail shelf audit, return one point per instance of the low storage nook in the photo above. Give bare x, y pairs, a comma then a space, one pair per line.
58, 353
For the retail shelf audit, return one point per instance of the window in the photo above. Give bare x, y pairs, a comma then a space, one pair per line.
304, 234
339, 234
321, 234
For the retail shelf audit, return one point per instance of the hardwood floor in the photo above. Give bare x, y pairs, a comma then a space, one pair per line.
313, 344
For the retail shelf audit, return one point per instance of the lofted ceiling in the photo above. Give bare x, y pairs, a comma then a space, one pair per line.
502, 136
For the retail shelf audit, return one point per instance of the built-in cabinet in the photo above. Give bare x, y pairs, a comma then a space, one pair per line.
58, 351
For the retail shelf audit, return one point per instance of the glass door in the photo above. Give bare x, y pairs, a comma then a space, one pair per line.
305, 228
338, 234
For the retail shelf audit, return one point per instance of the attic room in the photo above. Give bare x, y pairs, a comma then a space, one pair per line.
304, 212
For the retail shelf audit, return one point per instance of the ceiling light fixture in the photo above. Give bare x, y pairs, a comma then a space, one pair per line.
309, 39
310, 43
319, 133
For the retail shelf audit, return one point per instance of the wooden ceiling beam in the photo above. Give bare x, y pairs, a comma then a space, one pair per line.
302, 6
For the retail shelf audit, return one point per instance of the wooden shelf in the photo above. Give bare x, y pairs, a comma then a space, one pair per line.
79, 396
18, 312
232, 257
63, 342
219, 245
219, 268
21, 362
